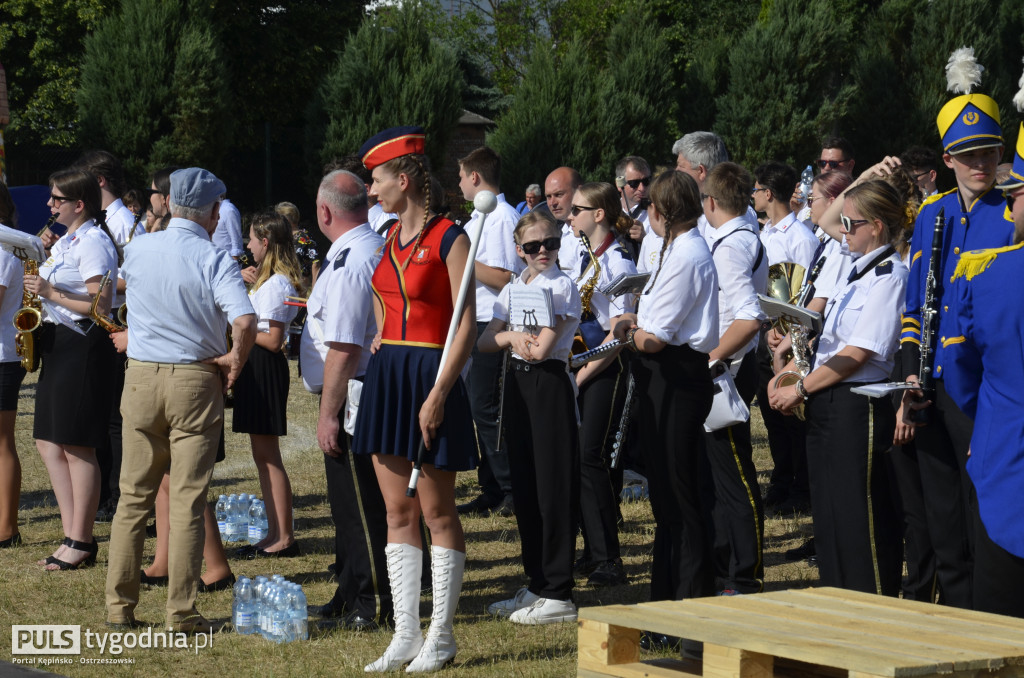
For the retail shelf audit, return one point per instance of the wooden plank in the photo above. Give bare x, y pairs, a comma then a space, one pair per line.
731, 662
604, 644
653, 669
953, 644
930, 618
728, 628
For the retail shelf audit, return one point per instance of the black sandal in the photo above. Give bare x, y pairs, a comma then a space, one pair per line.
90, 548
48, 559
12, 541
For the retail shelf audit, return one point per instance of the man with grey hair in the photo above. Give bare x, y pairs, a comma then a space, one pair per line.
534, 196
697, 153
334, 352
182, 292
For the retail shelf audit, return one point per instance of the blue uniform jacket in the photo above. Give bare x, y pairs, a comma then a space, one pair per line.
990, 358
982, 225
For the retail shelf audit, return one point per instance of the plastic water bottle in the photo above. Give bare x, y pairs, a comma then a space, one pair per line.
300, 616
230, 509
243, 608
258, 591
254, 524
280, 622
221, 511
264, 524
806, 179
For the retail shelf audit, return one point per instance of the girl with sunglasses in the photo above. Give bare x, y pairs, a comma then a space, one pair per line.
597, 214
675, 328
73, 395
540, 424
857, 526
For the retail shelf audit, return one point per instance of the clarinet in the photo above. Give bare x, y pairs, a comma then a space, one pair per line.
620, 435
930, 317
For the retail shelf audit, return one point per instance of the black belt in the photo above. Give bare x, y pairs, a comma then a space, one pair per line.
550, 365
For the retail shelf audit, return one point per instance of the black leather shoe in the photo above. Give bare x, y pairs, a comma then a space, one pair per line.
326, 611
289, 551
357, 622
583, 566
219, 585
656, 642
482, 505
608, 573
805, 550
774, 496
248, 551
793, 505
153, 581
813, 561
507, 507
12, 541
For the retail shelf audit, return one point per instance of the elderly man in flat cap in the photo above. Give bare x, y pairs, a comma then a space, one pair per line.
182, 293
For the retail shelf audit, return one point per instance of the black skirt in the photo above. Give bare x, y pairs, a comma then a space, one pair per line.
74, 390
261, 394
11, 375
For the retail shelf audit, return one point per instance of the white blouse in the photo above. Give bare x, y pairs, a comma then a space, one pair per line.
565, 302
76, 257
11, 274
268, 302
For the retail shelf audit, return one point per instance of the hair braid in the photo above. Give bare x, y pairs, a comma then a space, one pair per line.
101, 220
425, 192
666, 241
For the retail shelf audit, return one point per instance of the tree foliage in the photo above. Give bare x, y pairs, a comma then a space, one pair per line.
586, 112
158, 101
41, 48
391, 72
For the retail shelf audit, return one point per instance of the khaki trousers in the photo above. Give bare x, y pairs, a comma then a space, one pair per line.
172, 420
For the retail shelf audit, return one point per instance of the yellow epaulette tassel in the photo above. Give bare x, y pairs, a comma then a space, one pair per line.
975, 262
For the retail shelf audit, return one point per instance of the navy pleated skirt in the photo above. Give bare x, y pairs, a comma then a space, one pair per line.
398, 380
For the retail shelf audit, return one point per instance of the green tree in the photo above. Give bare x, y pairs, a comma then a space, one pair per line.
41, 46
787, 82
391, 72
156, 101
585, 112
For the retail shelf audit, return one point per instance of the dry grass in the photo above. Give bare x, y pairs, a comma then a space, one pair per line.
487, 647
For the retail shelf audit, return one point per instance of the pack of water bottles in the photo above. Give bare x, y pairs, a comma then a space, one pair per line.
241, 517
275, 608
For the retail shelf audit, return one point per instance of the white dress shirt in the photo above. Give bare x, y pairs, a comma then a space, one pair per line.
789, 241
268, 302
497, 249
228, 235
12, 273
680, 304
565, 303
735, 248
76, 257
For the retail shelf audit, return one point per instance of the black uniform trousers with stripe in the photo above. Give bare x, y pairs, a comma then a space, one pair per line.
942, 460
737, 510
361, 533
787, 437
600, 402
544, 457
998, 574
858, 532
674, 398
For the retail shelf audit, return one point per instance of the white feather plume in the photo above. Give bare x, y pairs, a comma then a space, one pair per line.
963, 73
1018, 98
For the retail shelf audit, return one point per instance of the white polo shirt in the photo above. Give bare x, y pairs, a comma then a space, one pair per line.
565, 303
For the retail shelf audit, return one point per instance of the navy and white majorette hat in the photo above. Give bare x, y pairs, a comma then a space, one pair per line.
970, 120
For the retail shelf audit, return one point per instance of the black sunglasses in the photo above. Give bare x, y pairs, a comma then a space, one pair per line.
849, 223
576, 209
635, 183
831, 164
60, 199
550, 244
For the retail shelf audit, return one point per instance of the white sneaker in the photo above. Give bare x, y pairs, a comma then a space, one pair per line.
505, 608
546, 611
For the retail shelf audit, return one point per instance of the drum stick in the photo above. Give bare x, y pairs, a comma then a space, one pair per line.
485, 202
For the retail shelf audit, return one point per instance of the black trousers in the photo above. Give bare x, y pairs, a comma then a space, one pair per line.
738, 512
543, 444
361, 533
600, 402
787, 437
484, 401
998, 574
857, 528
942, 458
675, 393
920, 582
108, 455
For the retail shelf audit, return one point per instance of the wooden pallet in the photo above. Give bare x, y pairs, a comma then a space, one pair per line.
810, 632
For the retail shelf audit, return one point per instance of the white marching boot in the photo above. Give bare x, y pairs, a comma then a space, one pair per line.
405, 564
446, 567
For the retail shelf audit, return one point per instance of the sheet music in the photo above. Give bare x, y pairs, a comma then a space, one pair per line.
530, 306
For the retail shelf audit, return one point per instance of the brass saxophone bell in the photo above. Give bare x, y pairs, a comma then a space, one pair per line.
788, 379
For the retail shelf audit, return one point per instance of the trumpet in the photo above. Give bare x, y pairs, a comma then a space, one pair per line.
100, 319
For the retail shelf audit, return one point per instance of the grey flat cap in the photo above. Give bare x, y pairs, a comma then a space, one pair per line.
195, 187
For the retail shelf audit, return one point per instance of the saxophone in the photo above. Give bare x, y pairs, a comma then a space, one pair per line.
30, 316
586, 286
100, 319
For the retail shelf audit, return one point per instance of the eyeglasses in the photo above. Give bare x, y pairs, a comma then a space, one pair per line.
831, 164
58, 199
917, 177
849, 223
550, 244
576, 209
811, 199
757, 189
635, 183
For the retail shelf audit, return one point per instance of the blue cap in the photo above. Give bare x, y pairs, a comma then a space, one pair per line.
195, 187
968, 122
1016, 178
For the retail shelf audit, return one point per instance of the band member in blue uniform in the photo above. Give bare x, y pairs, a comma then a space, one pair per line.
991, 320
974, 219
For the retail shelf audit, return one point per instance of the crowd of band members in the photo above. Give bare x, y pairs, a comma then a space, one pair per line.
882, 489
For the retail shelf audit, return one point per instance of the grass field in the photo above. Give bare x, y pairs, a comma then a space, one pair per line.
487, 647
